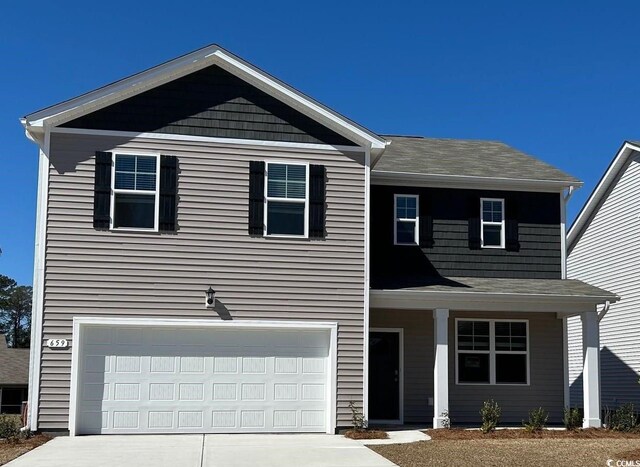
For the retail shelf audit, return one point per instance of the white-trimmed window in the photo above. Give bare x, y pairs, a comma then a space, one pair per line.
492, 351
405, 213
287, 199
492, 222
134, 202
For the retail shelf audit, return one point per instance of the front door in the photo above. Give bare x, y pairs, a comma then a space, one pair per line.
384, 375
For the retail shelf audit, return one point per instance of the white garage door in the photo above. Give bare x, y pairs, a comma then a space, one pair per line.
207, 380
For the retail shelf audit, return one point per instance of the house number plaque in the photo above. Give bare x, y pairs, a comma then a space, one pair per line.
57, 343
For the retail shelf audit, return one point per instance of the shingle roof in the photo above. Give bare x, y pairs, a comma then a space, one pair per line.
14, 365
547, 287
475, 158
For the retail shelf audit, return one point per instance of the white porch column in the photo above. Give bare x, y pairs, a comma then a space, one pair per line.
591, 369
440, 366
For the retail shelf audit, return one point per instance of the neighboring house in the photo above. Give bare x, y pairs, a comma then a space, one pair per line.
14, 377
225, 254
604, 249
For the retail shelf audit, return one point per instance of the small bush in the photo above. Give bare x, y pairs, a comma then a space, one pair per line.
572, 418
624, 418
10, 427
357, 419
537, 420
446, 421
490, 413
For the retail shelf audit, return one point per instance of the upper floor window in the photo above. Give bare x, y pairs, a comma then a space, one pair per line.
135, 192
287, 199
492, 352
406, 220
492, 223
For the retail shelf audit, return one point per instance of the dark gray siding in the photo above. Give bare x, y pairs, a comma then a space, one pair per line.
210, 102
538, 217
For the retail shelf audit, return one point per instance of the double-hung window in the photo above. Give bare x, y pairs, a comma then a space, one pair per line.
287, 199
492, 229
406, 220
135, 192
492, 352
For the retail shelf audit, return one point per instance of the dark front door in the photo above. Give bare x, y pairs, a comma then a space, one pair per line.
384, 375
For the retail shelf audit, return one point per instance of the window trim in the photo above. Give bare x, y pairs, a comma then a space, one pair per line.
502, 225
416, 220
493, 352
156, 192
267, 198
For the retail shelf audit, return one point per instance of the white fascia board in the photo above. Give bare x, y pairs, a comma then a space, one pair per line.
182, 66
470, 301
255, 143
381, 177
598, 195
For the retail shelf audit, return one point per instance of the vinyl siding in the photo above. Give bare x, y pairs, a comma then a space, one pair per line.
101, 273
546, 388
545, 357
608, 256
210, 102
538, 217
418, 358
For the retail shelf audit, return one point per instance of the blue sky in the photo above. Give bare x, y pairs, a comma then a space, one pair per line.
556, 79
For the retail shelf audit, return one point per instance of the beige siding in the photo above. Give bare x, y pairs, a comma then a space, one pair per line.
99, 273
546, 368
546, 388
608, 256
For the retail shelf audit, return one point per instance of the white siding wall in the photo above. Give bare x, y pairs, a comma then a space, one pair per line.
100, 273
608, 256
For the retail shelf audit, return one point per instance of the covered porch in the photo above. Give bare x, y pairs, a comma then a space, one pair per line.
440, 348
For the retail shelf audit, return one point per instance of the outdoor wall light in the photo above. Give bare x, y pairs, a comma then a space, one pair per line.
210, 301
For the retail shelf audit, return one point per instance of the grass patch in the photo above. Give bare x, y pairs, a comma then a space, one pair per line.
366, 434
590, 433
495, 451
9, 450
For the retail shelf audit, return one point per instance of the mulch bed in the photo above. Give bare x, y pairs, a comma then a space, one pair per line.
9, 450
633, 455
366, 434
589, 433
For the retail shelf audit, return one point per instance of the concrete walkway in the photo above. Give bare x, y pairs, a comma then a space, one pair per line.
202, 451
398, 437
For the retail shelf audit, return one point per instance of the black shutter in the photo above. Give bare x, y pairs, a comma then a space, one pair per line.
512, 242
426, 222
102, 191
256, 198
317, 183
473, 212
168, 193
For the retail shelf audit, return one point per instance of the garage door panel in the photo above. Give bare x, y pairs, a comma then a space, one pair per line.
230, 381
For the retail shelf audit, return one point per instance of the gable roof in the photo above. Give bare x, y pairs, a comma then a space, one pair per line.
14, 365
84, 104
467, 159
608, 181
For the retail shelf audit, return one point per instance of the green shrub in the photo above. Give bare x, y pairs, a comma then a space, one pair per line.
572, 418
537, 420
624, 418
357, 419
490, 413
10, 427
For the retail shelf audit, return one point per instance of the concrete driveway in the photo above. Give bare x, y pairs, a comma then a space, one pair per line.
201, 451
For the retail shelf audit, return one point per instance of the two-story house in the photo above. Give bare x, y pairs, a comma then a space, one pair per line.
218, 252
